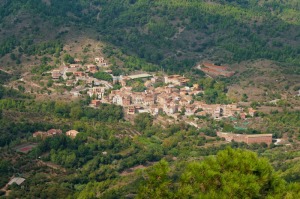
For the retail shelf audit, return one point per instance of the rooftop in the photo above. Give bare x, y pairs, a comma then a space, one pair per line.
16, 180
260, 135
139, 76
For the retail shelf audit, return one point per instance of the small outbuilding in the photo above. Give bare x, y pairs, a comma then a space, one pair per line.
72, 133
16, 180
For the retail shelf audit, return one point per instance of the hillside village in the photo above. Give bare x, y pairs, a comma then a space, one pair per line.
149, 99
72, 74
170, 100
174, 97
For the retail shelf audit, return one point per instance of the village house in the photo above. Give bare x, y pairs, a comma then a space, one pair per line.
131, 110
49, 133
190, 110
75, 93
143, 110
79, 74
231, 110
176, 80
208, 108
123, 80
38, 134
72, 133
116, 79
124, 90
150, 91
148, 84
140, 109
70, 82
243, 115
106, 100
159, 90
201, 114
98, 92
155, 110
69, 73
163, 98
183, 102
249, 139
218, 113
100, 61
157, 79
77, 60
92, 68
122, 100
75, 66
126, 100
196, 87
93, 82
169, 89
170, 108
185, 91
53, 132
149, 100
56, 74
252, 112
176, 116
137, 98
95, 103
188, 98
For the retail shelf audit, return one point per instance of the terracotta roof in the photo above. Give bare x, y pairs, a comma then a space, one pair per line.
260, 135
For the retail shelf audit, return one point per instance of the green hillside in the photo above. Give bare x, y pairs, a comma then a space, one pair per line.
176, 34
57, 57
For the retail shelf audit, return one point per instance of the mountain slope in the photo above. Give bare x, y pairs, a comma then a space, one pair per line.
177, 34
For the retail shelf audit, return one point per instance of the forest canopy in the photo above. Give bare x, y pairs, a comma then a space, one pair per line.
229, 174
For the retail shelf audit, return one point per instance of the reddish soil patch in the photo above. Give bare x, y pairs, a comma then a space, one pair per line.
26, 149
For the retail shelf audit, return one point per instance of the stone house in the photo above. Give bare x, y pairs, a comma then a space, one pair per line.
72, 133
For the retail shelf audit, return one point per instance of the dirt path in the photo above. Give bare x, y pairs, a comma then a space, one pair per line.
131, 170
4, 189
51, 165
6, 71
29, 82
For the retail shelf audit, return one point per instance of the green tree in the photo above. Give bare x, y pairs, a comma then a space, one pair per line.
231, 174
50, 83
210, 96
62, 109
68, 59
21, 88
143, 120
244, 97
13, 56
76, 112
103, 76
158, 182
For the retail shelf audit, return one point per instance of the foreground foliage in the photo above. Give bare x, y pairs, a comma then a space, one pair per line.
230, 174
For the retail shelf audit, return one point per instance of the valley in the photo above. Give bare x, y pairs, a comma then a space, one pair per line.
149, 99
